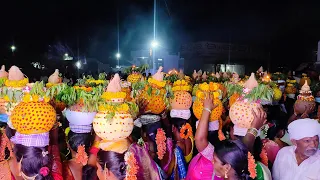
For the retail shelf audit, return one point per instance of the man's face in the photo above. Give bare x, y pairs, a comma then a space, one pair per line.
307, 146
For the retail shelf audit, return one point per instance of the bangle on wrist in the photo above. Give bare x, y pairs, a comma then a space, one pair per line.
207, 109
253, 131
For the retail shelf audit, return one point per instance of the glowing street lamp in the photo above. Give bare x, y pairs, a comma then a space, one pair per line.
154, 44
66, 54
78, 64
13, 48
118, 56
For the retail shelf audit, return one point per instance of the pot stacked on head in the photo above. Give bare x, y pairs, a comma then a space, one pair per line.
305, 100
55, 85
155, 93
34, 115
114, 121
215, 118
11, 92
251, 98
182, 101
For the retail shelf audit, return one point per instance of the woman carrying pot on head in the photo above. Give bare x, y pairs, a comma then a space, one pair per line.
37, 159
79, 140
231, 159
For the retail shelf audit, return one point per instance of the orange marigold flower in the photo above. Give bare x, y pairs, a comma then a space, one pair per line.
252, 166
161, 143
81, 156
264, 156
186, 131
132, 166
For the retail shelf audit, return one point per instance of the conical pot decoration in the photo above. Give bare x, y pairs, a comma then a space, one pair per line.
241, 111
155, 93
225, 75
217, 75
15, 74
260, 70
304, 79
114, 122
12, 91
204, 76
54, 78
235, 78
195, 74
181, 74
305, 100
3, 73
34, 114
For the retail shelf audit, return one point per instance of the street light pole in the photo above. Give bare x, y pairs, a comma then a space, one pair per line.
118, 55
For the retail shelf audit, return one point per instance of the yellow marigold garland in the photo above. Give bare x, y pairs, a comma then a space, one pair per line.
181, 85
159, 84
97, 82
35, 98
16, 84
124, 108
113, 95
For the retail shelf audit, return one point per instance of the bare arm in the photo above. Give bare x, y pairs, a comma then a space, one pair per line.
201, 137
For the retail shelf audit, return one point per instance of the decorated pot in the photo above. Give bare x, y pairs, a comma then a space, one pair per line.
118, 127
33, 117
79, 118
182, 100
241, 113
302, 106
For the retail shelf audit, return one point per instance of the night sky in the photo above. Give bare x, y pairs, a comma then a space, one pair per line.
289, 31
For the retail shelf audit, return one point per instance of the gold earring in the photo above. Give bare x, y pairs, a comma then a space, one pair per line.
225, 174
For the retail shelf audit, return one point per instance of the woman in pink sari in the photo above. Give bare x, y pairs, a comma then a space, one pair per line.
227, 159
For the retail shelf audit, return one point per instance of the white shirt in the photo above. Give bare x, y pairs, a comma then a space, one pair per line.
286, 167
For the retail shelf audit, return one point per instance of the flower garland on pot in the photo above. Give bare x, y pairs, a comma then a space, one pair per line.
34, 115
114, 120
156, 91
215, 117
135, 73
12, 92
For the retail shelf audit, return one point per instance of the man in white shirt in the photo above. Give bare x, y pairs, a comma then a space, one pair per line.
302, 160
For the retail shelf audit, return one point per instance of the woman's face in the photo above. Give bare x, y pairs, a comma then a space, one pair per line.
219, 168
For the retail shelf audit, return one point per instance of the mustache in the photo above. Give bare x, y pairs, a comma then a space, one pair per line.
312, 149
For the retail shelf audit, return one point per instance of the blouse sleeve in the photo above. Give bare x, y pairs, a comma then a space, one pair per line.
208, 152
56, 162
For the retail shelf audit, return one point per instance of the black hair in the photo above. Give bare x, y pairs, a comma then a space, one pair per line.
136, 133
114, 162
10, 132
234, 153
33, 160
178, 122
151, 130
77, 139
89, 172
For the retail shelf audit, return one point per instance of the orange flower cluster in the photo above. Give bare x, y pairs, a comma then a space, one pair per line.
87, 89
186, 131
81, 156
132, 166
264, 157
161, 143
252, 166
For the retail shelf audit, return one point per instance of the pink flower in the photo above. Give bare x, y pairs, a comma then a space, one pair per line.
44, 171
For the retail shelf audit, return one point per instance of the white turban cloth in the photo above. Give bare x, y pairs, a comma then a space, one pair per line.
303, 128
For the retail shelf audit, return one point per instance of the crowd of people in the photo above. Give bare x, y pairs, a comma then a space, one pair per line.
165, 126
